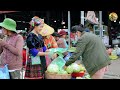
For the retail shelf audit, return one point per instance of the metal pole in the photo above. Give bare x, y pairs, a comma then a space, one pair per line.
82, 17
69, 27
4, 15
100, 24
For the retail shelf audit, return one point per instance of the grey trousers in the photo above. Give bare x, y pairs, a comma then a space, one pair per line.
15, 75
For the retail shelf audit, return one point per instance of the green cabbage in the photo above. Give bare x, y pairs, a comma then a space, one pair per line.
53, 68
69, 69
76, 67
87, 77
82, 68
62, 72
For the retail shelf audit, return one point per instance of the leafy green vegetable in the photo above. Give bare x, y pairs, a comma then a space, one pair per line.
53, 68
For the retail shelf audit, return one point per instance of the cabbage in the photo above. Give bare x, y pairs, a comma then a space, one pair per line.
53, 68
79, 78
76, 67
69, 69
62, 72
82, 68
87, 77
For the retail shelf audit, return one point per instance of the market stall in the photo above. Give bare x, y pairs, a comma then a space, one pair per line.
56, 69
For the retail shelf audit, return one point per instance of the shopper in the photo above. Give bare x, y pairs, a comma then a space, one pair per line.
35, 44
62, 41
93, 52
56, 36
11, 48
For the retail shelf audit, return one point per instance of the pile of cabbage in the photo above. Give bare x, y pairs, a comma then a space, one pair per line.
75, 68
85, 77
54, 68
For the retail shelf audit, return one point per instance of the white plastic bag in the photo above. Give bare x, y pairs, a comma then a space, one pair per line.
91, 17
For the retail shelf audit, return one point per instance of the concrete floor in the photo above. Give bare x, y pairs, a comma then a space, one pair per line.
114, 70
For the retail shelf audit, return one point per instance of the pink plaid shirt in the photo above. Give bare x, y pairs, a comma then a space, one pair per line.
11, 52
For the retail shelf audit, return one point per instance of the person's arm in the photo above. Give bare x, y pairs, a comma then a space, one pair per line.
42, 53
1, 49
17, 49
34, 52
80, 47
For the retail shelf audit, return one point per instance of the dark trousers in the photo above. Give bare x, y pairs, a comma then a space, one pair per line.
43, 64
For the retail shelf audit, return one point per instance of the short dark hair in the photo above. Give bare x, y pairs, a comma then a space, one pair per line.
76, 28
55, 34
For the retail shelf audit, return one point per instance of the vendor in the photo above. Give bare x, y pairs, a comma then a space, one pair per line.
49, 40
56, 36
62, 41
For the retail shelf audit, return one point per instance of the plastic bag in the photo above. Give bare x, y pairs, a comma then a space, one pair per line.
59, 61
35, 60
91, 17
59, 51
4, 73
72, 49
118, 51
66, 58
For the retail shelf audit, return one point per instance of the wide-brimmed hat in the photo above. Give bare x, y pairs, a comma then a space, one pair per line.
46, 30
9, 24
62, 32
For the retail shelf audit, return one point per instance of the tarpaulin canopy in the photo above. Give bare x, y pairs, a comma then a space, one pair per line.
1, 12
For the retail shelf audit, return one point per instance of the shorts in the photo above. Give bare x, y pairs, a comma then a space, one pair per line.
100, 73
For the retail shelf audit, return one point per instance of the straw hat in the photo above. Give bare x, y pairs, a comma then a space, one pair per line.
47, 30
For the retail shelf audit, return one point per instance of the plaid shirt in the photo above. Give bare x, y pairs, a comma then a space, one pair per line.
12, 52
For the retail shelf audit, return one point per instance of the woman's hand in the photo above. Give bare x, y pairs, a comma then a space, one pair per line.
47, 50
2, 43
54, 56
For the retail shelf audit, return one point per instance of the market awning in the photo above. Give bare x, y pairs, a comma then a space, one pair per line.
1, 12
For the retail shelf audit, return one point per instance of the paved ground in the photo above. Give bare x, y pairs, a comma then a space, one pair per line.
114, 70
